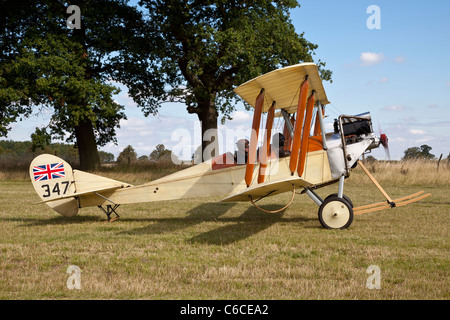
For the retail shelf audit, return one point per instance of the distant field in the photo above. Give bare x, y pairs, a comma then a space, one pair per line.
204, 249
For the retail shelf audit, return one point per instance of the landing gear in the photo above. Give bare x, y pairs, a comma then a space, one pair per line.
335, 213
109, 210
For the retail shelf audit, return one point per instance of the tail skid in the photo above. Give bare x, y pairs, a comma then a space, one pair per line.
109, 210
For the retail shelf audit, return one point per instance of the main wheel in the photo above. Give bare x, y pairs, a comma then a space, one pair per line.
335, 213
343, 196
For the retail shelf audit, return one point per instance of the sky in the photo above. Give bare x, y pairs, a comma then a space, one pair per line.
392, 62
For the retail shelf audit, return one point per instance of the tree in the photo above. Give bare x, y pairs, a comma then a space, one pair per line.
418, 153
106, 157
127, 156
201, 50
160, 153
45, 66
57, 82
371, 159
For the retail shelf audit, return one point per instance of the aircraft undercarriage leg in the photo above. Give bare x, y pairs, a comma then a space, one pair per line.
109, 210
314, 196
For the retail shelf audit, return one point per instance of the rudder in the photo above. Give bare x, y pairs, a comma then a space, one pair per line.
52, 177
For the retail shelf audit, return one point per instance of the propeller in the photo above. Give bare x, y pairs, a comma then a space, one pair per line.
384, 142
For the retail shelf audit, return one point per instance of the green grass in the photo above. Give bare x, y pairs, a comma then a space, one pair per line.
204, 249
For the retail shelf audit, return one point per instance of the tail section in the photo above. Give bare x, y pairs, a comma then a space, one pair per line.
52, 179
65, 190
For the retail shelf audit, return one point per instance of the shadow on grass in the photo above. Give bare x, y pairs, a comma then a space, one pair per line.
229, 228
32, 222
251, 222
202, 213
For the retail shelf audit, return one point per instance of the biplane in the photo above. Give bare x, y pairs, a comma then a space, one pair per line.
316, 159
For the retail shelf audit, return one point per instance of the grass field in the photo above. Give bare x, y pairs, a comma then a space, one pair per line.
204, 249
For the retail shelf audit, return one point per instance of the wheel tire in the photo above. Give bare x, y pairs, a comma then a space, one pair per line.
335, 213
344, 196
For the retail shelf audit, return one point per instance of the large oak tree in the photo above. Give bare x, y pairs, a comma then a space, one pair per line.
201, 50
45, 66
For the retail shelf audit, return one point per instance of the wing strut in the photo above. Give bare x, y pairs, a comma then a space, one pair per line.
266, 150
298, 125
254, 138
305, 135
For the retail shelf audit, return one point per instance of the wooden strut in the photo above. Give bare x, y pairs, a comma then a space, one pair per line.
266, 149
301, 107
305, 134
390, 203
254, 138
275, 211
398, 203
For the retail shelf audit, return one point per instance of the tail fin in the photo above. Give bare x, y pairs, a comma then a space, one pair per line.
66, 190
52, 178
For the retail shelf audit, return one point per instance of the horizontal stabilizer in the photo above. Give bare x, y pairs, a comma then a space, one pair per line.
74, 195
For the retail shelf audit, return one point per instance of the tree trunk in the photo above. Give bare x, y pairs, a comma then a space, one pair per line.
87, 146
208, 117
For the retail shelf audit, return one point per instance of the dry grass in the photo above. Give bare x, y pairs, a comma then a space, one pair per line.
203, 249
412, 172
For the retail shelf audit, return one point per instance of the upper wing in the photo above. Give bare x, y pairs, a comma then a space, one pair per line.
282, 85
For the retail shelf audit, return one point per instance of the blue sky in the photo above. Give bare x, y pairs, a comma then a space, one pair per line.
399, 73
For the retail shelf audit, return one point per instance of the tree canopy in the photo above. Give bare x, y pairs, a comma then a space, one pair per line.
46, 67
160, 153
201, 50
191, 51
418, 153
127, 156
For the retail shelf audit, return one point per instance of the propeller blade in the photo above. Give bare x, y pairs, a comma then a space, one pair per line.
388, 154
384, 142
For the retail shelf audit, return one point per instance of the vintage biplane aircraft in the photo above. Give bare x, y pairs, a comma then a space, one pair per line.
295, 95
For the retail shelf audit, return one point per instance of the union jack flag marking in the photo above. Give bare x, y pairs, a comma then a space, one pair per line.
48, 171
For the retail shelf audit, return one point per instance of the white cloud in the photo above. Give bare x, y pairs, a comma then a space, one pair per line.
410, 119
400, 59
417, 132
394, 108
241, 116
370, 58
